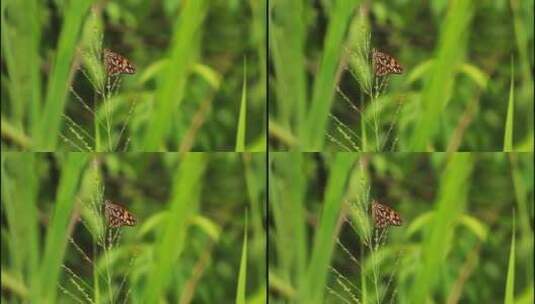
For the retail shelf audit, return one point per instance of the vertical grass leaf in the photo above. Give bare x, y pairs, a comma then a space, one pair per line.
242, 277
172, 239
19, 200
287, 42
48, 130
508, 137
510, 282
56, 235
172, 82
454, 186
324, 83
240, 132
21, 36
439, 87
313, 287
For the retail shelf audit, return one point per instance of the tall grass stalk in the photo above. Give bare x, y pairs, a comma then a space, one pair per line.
510, 282
439, 87
369, 261
287, 46
242, 277
325, 80
44, 287
172, 239
21, 214
311, 289
454, 186
47, 130
508, 136
20, 51
173, 80
240, 131
289, 214
360, 65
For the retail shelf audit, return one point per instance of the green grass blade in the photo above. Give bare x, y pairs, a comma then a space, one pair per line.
172, 239
170, 92
20, 189
508, 137
240, 132
325, 82
510, 283
313, 287
255, 179
48, 130
287, 41
454, 186
21, 36
439, 86
290, 214
56, 235
280, 234
242, 277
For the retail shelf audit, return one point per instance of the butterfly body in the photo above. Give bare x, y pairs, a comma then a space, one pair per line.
385, 64
385, 216
116, 64
117, 215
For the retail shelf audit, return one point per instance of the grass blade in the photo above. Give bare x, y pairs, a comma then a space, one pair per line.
508, 137
287, 40
20, 189
313, 286
440, 84
454, 186
56, 236
324, 83
240, 133
172, 240
170, 92
510, 283
48, 128
242, 277
21, 36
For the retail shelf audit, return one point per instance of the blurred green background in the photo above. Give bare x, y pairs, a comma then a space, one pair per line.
467, 83
463, 213
199, 84
189, 244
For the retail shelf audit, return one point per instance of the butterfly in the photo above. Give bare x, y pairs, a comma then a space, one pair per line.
116, 64
385, 216
385, 64
117, 215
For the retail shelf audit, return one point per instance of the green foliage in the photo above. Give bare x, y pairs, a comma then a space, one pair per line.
438, 88
184, 96
456, 211
240, 131
323, 88
48, 128
510, 283
451, 201
185, 247
242, 277
509, 121
450, 96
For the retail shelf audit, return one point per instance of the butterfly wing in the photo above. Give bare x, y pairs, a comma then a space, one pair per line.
385, 64
385, 216
116, 64
118, 216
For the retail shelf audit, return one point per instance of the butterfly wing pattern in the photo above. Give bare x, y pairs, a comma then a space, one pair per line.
385, 216
117, 215
116, 64
385, 64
